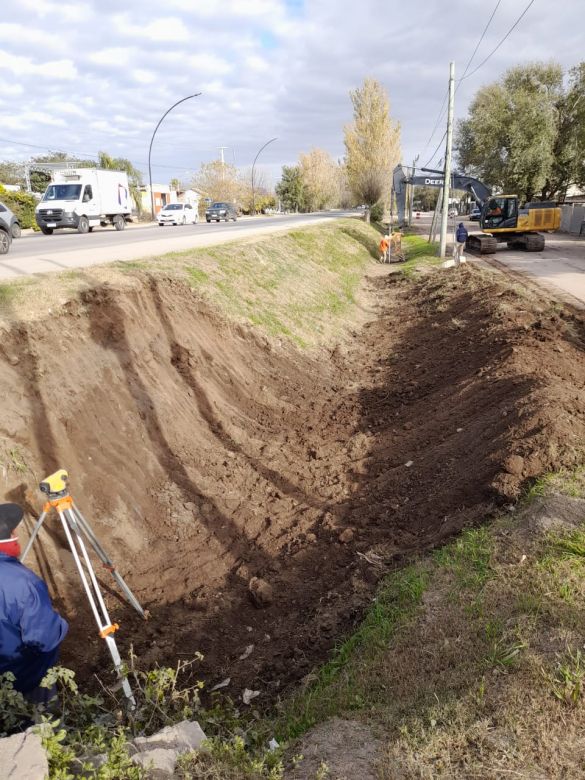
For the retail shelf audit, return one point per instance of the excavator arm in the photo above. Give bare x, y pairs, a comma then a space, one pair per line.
402, 177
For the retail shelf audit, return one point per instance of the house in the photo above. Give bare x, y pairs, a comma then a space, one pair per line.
165, 194
162, 195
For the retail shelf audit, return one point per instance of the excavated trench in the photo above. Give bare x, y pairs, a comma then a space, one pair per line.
206, 455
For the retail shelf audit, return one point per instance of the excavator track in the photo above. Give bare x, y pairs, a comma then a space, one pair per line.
481, 244
529, 242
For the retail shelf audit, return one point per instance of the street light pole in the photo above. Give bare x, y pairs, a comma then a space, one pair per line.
152, 141
253, 166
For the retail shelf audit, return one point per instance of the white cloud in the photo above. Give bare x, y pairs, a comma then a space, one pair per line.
114, 56
61, 10
53, 69
101, 74
143, 76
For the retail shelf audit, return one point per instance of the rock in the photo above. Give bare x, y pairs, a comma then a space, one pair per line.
184, 736
311, 538
345, 537
14, 360
22, 757
514, 465
261, 592
159, 753
159, 762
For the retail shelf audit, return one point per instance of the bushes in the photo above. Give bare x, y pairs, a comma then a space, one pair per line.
22, 204
377, 211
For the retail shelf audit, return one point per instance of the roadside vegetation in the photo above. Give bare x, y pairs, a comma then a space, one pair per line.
469, 661
300, 285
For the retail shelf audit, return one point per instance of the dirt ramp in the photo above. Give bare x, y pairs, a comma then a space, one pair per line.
209, 457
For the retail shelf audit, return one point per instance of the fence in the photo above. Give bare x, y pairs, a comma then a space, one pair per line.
573, 218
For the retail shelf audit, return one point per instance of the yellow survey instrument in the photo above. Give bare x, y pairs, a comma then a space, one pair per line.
55, 484
80, 537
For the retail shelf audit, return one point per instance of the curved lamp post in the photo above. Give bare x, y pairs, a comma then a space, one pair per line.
152, 141
253, 166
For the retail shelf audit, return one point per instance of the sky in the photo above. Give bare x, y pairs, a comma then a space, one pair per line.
97, 75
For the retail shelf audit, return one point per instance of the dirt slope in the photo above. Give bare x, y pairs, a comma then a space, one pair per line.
206, 454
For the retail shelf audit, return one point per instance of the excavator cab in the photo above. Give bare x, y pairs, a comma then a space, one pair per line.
499, 213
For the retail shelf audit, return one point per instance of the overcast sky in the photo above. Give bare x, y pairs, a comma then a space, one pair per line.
98, 74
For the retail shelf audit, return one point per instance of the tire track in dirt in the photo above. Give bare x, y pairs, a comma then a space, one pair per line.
207, 455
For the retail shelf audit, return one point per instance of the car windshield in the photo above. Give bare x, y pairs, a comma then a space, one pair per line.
62, 192
219, 206
173, 207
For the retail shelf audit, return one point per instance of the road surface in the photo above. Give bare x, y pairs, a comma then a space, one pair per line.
560, 268
37, 253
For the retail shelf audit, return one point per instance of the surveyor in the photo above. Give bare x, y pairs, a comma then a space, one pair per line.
383, 247
31, 631
460, 239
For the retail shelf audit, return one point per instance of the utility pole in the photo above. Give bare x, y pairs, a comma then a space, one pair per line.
221, 151
411, 200
447, 171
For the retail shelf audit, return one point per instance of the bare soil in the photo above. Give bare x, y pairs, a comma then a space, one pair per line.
206, 454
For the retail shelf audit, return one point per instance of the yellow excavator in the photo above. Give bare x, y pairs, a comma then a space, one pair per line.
503, 219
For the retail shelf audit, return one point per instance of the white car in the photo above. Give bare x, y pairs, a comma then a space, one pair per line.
178, 214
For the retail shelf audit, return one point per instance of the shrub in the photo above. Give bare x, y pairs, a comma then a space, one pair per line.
22, 204
376, 212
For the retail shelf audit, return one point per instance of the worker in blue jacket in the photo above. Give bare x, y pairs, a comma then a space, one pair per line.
30, 629
460, 239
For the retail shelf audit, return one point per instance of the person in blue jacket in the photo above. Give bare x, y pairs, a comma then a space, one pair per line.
31, 631
460, 239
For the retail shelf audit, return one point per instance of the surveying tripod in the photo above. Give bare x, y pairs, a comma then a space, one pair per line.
76, 529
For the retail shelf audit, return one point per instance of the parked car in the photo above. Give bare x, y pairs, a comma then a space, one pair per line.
475, 215
219, 211
12, 221
177, 214
5, 233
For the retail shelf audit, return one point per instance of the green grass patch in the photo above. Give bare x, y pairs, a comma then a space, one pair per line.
344, 683
468, 558
197, 276
419, 254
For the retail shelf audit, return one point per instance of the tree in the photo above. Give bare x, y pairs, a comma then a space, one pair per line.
290, 188
134, 175
218, 181
320, 180
12, 173
372, 143
39, 179
525, 133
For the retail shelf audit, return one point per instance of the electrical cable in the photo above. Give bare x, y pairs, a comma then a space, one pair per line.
485, 29
469, 61
436, 150
82, 154
512, 28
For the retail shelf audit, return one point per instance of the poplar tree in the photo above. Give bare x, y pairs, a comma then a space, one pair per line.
372, 143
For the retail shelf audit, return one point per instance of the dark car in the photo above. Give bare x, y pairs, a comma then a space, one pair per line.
219, 211
475, 215
11, 219
5, 234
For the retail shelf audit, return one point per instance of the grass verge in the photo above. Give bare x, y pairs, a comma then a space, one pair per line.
299, 285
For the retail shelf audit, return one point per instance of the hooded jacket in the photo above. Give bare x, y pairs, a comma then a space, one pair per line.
30, 629
461, 235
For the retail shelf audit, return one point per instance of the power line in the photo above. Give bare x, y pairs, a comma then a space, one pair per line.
485, 29
79, 154
438, 120
469, 61
436, 150
512, 28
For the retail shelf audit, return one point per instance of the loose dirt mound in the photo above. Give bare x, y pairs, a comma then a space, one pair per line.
206, 455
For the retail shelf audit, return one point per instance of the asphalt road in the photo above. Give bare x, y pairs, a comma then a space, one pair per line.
560, 267
32, 254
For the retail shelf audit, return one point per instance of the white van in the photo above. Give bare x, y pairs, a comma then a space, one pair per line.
82, 198
177, 214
